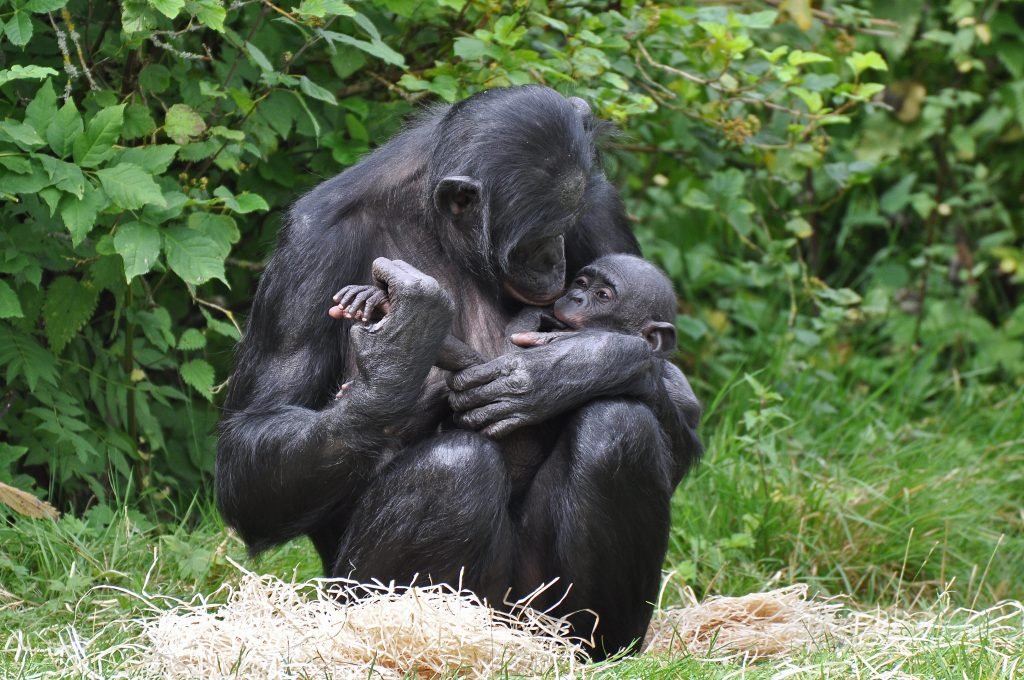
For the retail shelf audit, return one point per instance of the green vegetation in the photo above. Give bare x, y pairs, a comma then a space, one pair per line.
835, 188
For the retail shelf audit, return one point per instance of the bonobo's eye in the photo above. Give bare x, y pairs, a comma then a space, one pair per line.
604, 294
581, 282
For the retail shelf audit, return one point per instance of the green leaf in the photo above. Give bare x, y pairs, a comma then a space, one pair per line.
221, 228
377, 48
194, 256
130, 187
19, 28
154, 159
191, 339
242, 203
137, 122
25, 73
79, 215
316, 92
861, 61
211, 13
138, 244
10, 305
45, 5
812, 100
156, 325
22, 134
800, 227
169, 8
97, 144
199, 376
155, 78
65, 129
25, 183
469, 48
799, 58
42, 109
65, 176
69, 304
507, 31
182, 124
22, 355
259, 58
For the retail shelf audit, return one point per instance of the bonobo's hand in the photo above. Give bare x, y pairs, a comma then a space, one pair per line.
560, 372
394, 355
362, 303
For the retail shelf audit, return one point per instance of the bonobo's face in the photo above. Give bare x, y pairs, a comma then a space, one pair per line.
591, 301
536, 271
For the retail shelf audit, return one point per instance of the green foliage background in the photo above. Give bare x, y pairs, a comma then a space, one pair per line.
836, 190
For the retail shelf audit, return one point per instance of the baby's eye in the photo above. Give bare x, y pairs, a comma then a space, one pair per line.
604, 294
580, 282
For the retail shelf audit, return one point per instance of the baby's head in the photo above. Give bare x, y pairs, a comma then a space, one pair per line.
622, 293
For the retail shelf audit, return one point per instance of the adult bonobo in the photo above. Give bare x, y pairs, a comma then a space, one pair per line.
493, 198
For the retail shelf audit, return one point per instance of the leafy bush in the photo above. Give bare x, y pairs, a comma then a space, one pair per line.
814, 200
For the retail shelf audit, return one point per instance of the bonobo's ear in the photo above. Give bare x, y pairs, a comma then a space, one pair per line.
661, 336
456, 195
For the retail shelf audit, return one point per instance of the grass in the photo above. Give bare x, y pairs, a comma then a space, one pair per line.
886, 484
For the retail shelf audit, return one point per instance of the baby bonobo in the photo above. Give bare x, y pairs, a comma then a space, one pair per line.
619, 293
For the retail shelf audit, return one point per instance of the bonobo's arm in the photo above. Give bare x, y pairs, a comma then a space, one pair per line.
285, 460
561, 372
565, 370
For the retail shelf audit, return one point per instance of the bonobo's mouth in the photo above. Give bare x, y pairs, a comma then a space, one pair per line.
536, 271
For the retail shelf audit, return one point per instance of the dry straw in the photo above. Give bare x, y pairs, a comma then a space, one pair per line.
263, 627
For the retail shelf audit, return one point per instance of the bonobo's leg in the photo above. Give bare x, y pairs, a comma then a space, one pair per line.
439, 509
597, 516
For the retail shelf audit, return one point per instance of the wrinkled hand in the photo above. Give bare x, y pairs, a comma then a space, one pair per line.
559, 373
394, 355
362, 303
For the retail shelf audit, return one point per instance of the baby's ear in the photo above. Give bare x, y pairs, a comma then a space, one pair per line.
661, 336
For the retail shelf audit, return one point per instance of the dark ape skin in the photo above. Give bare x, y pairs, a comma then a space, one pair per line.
492, 200
616, 293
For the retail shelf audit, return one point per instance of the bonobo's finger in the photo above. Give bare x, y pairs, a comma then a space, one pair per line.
337, 312
355, 307
503, 428
485, 416
346, 294
535, 339
502, 388
377, 301
482, 374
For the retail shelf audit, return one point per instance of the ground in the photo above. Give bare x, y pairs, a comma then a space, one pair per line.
889, 492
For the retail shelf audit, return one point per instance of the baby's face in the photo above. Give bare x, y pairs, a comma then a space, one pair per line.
591, 300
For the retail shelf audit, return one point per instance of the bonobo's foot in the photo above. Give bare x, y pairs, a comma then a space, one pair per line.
362, 303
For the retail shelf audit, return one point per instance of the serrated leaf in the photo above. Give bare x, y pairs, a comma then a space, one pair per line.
211, 13
79, 214
469, 48
169, 8
25, 183
199, 376
65, 176
69, 304
861, 61
138, 244
137, 122
182, 123
154, 159
65, 129
191, 339
19, 28
25, 73
221, 228
156, 325
130, 187
10, 305
194, 256
97, 144
22, 355
42, 109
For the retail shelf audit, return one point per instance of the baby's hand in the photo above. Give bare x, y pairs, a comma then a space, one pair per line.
362, 303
